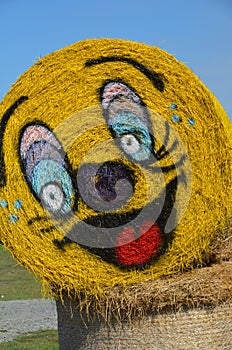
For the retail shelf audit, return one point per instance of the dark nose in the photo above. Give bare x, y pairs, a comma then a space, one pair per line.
108, 176
105, 187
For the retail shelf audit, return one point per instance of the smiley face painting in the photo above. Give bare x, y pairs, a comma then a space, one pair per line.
115, 166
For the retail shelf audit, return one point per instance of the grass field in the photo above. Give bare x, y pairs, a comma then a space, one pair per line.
17, 283
43, 340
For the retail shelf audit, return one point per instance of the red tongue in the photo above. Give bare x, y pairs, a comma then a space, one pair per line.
131, 251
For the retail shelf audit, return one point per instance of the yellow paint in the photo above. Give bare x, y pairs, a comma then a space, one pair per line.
64, 94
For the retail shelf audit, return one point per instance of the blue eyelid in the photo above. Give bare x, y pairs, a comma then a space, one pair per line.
49, 171
130, 123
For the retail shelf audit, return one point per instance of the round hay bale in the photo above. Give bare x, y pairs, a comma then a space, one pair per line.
115, 169
191, 329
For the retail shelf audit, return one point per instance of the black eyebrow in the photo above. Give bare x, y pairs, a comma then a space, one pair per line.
155, 77
3, 124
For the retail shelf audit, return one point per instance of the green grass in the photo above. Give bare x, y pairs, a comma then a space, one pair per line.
15, 281
43, 340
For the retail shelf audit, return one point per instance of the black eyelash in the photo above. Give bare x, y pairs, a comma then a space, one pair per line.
167, 135
162, 149
163, 153
168, 168
43, 218
61, 244
48, 229
38, 218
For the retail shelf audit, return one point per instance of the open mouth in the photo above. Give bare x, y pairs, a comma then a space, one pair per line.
128, 240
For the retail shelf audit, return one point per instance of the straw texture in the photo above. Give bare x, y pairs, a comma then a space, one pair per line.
191, 310
94, 136
209, 329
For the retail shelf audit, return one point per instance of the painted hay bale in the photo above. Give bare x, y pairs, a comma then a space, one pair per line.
115, 168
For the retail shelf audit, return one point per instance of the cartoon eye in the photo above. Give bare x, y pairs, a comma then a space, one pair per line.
134, 136
46, 169
53, 185
127, 119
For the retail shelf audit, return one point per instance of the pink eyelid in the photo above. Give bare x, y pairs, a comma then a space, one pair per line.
37, 133
113, 89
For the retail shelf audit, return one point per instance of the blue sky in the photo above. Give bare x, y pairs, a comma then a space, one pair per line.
197, 32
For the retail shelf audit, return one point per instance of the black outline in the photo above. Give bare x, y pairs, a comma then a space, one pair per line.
103, 220
3, 125
163, 152
154, 77
119, 81
68, 167
115, 220
140, 103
